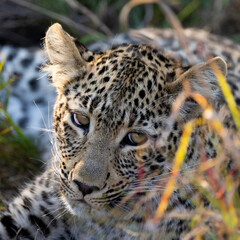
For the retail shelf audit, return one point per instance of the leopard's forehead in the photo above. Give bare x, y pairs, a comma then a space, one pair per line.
123, 80
132, 56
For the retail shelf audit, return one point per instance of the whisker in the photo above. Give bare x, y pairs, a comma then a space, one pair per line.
124, 208
43, 129
44, 122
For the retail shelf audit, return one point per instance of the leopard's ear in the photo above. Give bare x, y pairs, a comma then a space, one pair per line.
200, 78
67, 57
61, 47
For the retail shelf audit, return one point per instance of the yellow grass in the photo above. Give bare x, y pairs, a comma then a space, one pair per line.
228, 96
178, 160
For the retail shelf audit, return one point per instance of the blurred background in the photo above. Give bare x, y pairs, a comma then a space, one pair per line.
24, 22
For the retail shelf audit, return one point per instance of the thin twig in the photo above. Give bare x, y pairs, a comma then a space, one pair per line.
128, 7
148, 16
77, 5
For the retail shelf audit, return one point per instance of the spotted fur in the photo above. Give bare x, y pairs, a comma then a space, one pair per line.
101, 185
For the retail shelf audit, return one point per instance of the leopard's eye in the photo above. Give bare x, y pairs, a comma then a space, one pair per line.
137, 138
80, 120
134, 139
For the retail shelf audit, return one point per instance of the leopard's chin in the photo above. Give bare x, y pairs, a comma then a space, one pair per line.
77, 207
83, 210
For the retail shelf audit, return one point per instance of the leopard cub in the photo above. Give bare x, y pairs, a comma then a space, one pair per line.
115, 147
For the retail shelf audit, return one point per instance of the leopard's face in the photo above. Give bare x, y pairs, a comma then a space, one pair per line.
107, 123
109, 117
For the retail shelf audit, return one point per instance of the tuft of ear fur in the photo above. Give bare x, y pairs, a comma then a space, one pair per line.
67, 60
200, 78
61, 47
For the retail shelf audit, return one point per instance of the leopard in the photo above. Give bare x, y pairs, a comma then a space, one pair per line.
116, 138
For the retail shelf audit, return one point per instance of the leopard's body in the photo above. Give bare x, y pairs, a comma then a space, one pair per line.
114, 149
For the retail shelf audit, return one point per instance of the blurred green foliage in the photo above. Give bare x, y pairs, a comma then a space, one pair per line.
197, 13
186, 9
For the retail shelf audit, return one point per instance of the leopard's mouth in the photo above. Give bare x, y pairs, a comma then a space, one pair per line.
80, 193
92, 197
74, 201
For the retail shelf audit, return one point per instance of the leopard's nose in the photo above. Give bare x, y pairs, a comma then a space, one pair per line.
84, 188
90, 172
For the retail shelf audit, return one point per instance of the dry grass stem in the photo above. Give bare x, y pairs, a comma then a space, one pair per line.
228, 96
195, 233
178, 160
170, 15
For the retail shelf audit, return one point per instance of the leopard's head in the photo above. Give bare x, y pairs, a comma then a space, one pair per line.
111, 114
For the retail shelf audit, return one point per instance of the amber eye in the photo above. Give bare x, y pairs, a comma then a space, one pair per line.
80, 120
134, 139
